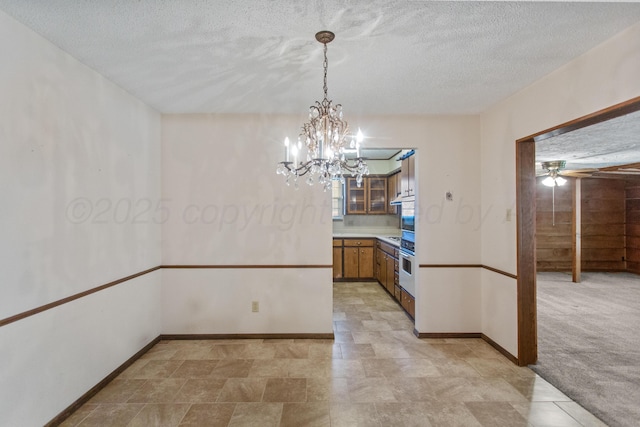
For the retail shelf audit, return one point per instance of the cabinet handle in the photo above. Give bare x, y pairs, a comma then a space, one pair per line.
358, 243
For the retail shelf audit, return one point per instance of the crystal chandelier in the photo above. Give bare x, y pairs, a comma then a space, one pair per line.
326, 138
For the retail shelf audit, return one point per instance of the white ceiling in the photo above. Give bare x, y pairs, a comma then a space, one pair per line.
389, 56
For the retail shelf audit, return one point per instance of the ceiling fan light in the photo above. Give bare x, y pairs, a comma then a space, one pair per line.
560, 180
549, 181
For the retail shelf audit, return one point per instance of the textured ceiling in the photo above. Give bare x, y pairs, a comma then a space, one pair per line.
610, 143
389, 56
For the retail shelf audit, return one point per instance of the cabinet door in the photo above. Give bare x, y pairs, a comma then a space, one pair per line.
365, 263
356, 197
350, 266
377, 195
412, 175
390, 282
337, 262
392, 193
382, 272
404, 177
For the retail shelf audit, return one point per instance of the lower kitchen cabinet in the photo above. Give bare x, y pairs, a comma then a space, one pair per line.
357, 258
337, 258
408, 303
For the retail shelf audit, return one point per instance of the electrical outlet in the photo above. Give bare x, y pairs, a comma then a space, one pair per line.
255, 306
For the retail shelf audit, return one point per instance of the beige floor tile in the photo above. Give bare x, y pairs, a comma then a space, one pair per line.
357, 351
269, 368
160, 415
232, 368
412, 389
195, 369
354, 414
157, 391
580, 414
343, 368
496, 414
256, 414
496, 389
243, 390
389, 350
118, 391
536, 389
258, 351
79, 415
228, 351
540, 414
327, 389
130, 372
370, 390
194, 353
292, 351
200, 390
412, 414
309, 368
154, 369
208, 415
448, 414
111, 414
285, 390
325, 351
308, 414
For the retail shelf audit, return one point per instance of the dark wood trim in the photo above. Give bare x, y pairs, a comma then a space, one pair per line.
492, 343
25, 314
526, 252
328, 336
450, 265
28, 313
504, 273
501, 349
603, 115
442, 335
486, 267
67, 412
249, 266
525, 208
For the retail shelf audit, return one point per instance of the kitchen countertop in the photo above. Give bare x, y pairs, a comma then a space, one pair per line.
384, 237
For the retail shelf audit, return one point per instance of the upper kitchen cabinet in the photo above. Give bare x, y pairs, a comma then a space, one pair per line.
370, 198
393, 191
407, 175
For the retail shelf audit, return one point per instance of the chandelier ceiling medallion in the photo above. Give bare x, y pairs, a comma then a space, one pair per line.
326, 139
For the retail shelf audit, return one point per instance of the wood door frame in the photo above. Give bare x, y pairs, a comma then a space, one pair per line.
526, 222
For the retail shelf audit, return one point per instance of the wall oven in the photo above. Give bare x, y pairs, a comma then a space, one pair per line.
407, 262
408, 214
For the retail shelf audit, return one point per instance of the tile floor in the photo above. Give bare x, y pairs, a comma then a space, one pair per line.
375, 373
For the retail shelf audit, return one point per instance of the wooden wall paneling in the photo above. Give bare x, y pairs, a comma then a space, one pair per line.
603, 219
632, 226
554, 237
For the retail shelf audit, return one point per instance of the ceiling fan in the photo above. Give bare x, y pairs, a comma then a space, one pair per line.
554, 170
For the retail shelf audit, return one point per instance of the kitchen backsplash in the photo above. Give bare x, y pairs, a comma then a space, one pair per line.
357, 222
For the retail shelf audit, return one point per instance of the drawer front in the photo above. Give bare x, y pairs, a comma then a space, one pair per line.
337, 243
358, 242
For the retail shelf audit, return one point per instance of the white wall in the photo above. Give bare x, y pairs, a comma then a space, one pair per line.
604, 76
228, 207
447, 153
79, 158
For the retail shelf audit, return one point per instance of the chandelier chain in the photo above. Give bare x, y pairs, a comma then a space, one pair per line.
325, 64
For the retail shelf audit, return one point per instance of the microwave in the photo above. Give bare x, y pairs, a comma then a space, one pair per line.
407, 214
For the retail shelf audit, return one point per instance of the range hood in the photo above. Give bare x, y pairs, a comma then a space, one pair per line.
397, 201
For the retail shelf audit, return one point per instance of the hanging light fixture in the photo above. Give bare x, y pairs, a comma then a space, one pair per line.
326, 138
553, 168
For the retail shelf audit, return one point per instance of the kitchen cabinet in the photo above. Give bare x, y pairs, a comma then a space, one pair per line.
369, 198
407, 176
393, 191
337, 258
408, 303
387, 266
358, 258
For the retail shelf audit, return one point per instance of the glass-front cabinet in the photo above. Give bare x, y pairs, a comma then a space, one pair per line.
369, 198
